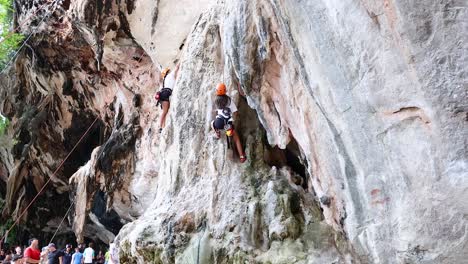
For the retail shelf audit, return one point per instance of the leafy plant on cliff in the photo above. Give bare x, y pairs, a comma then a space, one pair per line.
9, 41
11, 238
4, 122
5, 141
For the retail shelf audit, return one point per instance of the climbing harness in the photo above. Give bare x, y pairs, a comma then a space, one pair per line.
229, 133
224, 121
163, 94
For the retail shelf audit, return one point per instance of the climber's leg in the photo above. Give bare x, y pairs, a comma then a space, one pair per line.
240, 150
165, 108
217, 125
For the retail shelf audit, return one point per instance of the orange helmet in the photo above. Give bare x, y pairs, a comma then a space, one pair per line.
165, 72
221, 89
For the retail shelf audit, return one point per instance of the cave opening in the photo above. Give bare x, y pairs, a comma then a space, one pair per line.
295, 161
291, 157
45, 216
82, 154
53, 203
109, 219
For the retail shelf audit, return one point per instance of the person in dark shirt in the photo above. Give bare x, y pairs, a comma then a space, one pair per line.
55, 256
2, 254
67, 254
18, 253
7, 259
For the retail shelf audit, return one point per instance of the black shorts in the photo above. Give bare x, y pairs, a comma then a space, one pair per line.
220, 123
165, 94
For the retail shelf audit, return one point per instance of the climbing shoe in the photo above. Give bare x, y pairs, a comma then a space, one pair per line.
243, 158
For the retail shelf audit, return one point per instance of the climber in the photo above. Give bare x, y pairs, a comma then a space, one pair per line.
225, 112
168, 79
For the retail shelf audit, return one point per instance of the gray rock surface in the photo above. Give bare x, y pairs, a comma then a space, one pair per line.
354, 115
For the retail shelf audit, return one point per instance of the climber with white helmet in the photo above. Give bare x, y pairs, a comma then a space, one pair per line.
167, 80
225, 111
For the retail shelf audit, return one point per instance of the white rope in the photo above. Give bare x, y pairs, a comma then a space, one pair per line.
61, 222
25, 41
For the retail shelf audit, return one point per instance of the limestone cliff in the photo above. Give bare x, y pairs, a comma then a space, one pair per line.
354, 116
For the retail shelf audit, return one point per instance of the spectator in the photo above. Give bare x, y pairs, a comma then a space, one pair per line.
67, 254
77, 257
44, 252
55, 256
7, 259
107, 257
89, 255
2, 255
32, 254
81, 247
100, 258
114, 254
18, 252
17, 259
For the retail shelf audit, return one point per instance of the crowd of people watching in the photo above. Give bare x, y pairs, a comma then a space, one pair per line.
50, 254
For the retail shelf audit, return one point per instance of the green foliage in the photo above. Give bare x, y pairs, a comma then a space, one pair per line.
9, 40
4, 122
12, 239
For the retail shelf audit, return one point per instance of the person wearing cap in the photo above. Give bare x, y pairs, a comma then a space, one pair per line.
67, 254
32, 255
55, 256
226, 110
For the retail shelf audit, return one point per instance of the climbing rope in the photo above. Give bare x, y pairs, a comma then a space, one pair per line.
26, 40
50, 178
16, 54
240, 90
61, 222
199, 240
25, 20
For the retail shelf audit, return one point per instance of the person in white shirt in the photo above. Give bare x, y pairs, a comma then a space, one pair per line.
114, 254
89, 254
226, 110
168, 79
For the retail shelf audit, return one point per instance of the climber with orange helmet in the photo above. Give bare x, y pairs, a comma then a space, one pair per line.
225, 110
167, 80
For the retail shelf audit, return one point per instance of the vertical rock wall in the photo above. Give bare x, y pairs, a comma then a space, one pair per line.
353, 115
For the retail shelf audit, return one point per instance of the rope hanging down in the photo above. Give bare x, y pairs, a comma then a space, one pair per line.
50, 178
25, 20
61, 222
49, 12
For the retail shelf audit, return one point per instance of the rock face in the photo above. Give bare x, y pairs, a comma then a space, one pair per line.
354, 116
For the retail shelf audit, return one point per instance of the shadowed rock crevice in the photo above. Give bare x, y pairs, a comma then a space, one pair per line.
109, 218
355, 106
